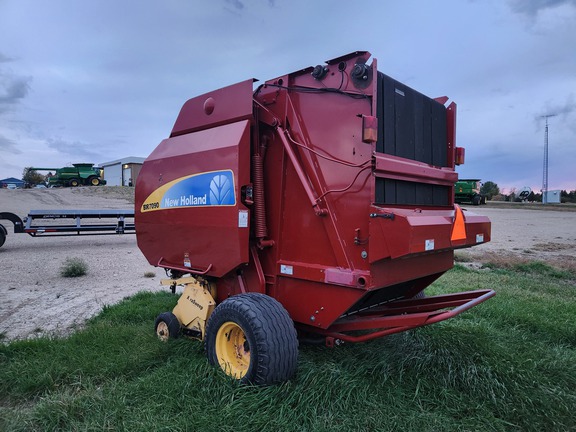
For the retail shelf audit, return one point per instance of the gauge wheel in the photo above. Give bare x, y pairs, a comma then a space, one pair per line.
252, 338
167, 326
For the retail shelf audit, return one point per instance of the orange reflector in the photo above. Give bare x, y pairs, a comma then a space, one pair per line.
369, 129
459, 155
459, 227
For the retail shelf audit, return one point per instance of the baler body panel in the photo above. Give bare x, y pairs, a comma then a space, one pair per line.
227, 105
356, 212
192, 190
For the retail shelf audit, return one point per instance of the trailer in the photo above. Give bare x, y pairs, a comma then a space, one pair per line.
319, 205
57, 223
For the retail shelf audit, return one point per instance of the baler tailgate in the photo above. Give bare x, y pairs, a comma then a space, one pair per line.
403, 315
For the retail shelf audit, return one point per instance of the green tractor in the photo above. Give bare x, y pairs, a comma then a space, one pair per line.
468, 191
79, 174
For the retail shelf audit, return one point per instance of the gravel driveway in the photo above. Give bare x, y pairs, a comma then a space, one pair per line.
35, 298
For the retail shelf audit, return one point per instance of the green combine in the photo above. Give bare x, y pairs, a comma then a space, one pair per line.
79, 174
468, 191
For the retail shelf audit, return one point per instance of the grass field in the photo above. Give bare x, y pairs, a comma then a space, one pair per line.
508, 364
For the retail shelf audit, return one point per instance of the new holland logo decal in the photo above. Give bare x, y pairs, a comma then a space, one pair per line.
207, 189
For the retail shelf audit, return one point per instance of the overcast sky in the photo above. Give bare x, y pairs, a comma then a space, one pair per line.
94, 81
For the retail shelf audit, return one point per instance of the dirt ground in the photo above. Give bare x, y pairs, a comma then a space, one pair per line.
36, 300
527, 232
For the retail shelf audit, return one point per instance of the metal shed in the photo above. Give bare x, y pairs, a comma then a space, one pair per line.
552, 197
122, 172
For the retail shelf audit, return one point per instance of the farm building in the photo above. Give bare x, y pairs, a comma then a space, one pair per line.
122, 172
11, 180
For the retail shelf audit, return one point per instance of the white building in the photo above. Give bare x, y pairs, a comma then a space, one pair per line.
553, 197
122, 172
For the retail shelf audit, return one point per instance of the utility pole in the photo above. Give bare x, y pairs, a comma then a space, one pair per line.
545, 169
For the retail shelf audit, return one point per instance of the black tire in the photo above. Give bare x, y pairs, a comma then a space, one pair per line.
93, 181
3, 233
74, 182
476, 200
167, 326
258, 334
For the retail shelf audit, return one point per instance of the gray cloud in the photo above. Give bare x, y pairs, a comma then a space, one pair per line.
239, 4
12, 90
15, 89
9, 146
236, 3
562, 110
532, 7
78, 150
568, 107
5, 59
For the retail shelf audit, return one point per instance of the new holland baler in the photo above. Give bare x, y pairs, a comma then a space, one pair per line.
318, 205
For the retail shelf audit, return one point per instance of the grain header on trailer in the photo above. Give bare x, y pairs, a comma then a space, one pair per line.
320, 203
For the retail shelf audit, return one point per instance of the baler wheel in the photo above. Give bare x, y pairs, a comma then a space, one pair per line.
167, 326
252, 338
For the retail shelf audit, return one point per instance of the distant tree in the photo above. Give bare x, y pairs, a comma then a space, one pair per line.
489, 189
31, 177
568, 197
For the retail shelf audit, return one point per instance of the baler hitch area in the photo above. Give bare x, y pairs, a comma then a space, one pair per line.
194, 307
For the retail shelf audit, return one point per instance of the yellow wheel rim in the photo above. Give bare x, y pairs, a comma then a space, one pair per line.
95, 182
232, 350
162, 331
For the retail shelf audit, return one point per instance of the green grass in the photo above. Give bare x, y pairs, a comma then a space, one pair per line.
506, 365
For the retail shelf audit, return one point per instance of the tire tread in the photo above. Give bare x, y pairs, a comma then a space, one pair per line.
276, 350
